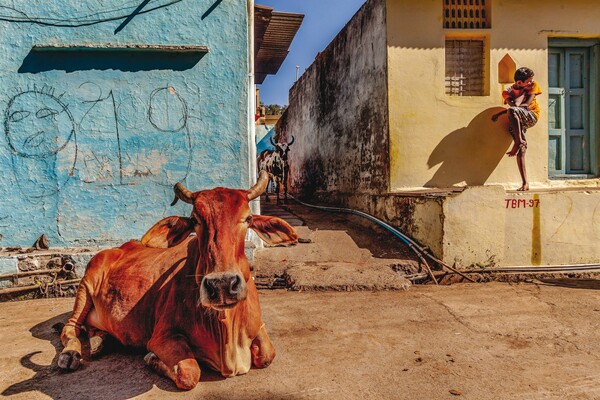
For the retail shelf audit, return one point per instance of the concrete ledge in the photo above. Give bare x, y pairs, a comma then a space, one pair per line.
25, 260
344, 277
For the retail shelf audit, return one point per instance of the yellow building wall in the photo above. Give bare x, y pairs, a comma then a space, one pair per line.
438, 140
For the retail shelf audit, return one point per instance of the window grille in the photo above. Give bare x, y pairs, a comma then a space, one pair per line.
465, 67
466, 14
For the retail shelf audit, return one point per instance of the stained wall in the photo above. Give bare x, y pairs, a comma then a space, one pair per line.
338, 113
398, 164
96, 129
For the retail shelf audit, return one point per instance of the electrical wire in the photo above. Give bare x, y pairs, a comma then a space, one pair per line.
78, 22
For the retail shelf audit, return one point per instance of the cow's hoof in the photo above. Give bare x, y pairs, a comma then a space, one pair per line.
69, 360
96, 345
188, 374
151, 359
259, 363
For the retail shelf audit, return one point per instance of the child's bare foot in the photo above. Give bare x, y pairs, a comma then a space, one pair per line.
523, 188
513, 152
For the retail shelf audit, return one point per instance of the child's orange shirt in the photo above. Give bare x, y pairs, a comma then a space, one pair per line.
514, 93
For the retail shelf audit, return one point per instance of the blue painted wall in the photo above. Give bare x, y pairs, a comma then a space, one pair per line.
265, 142
94, 139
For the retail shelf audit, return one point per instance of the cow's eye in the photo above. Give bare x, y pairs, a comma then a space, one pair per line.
248, 219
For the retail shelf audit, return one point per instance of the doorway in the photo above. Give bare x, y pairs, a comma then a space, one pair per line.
571, 118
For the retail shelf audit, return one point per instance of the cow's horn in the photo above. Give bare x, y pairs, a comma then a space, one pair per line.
292, 142
260, 186
182, 193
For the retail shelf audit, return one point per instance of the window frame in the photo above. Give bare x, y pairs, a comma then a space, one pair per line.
485, 85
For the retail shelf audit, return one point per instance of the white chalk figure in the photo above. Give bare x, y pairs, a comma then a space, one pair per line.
40, 135
162, 151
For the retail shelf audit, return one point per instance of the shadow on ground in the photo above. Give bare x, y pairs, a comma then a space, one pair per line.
366, 234
93, 376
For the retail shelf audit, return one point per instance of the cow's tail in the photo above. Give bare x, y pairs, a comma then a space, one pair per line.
70, 357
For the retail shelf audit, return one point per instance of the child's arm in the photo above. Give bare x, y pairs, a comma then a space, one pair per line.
528, 100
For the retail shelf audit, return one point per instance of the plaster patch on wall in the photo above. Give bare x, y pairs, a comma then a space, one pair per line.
146, 165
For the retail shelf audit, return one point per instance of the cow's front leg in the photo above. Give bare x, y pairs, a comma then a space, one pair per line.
172, 356
277, 186
285, 188
263, 351
70, 357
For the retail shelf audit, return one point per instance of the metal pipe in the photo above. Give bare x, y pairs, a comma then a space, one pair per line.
33, 287
540, 269
30, 273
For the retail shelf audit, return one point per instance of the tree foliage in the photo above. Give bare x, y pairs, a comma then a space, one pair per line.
274, 109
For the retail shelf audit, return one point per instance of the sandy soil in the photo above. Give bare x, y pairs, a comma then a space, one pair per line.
485, 341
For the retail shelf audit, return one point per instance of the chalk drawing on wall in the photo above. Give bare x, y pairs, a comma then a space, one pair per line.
167, 110
168, 113
40, 136
98, 127
120, 140
125, 150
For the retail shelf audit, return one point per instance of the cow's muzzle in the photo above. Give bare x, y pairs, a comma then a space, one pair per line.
222, 291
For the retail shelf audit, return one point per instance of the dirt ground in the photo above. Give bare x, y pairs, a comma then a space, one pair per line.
479, 341
472, 341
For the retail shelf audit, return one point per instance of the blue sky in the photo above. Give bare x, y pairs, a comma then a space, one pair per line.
323, 19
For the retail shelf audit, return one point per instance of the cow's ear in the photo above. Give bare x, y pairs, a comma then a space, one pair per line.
168, 232
273, 230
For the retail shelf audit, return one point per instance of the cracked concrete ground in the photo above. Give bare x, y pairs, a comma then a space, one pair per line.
478, 341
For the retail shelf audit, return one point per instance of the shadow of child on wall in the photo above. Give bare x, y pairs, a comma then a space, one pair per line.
470, 154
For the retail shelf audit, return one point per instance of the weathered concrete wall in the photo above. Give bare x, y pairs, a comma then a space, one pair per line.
95, 138
474, 227
338, 112
350, 153
561, 227
485, 226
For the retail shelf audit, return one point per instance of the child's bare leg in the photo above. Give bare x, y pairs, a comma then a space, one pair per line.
514, 128
522, 169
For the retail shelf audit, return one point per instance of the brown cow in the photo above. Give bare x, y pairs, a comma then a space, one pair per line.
183, 298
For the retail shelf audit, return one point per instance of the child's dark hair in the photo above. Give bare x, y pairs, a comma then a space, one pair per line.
523, 73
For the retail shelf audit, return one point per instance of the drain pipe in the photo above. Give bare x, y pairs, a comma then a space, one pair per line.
421, 252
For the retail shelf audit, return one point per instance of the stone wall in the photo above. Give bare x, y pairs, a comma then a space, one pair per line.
338, 113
